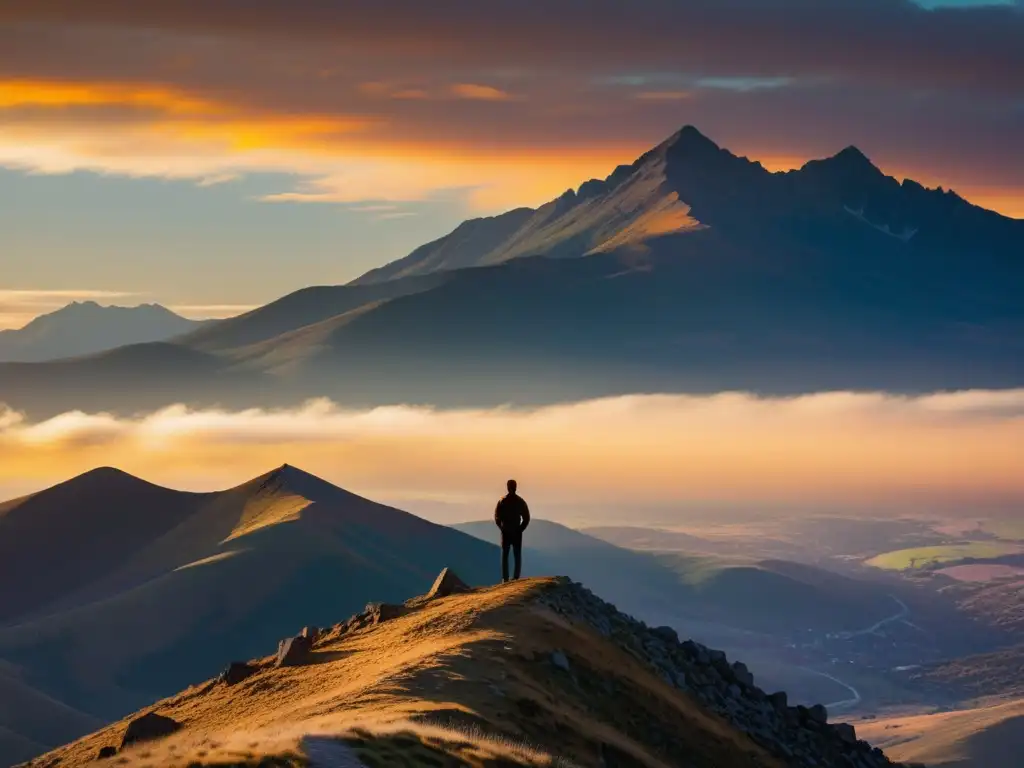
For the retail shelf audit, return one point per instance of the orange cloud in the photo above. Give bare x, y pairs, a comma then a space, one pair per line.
834, 447
479, 92
662, 95
65, 125
58, 94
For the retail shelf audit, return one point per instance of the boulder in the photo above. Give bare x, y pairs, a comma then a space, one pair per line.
447, 583
148, 727
779, 700
560, 660
293, 651
742, 675
312, 633
846, 732
667, 634
236, 672
105, 752
818, 714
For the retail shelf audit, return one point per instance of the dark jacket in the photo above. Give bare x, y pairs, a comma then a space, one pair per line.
511, 514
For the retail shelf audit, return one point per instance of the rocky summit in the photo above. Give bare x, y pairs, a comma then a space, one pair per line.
537, 672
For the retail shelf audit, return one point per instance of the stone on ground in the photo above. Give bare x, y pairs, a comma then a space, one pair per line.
236, 672
293, 651
148, 727
447, 583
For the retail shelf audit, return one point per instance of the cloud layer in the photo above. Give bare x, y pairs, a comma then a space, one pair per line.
829, 448
522, 100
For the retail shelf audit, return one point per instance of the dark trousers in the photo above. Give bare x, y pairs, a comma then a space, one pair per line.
511, 540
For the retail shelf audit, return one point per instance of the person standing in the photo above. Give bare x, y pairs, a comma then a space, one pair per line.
511, 515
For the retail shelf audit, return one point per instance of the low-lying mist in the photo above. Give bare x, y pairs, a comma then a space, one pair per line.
870, 449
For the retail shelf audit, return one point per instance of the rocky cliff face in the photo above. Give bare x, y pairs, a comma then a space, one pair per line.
799, 735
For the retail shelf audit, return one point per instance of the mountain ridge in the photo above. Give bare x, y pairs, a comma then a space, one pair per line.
691, 270
82, 328
459, 673
689, 164
139, 589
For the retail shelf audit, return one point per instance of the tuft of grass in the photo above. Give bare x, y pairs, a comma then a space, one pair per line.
449, 746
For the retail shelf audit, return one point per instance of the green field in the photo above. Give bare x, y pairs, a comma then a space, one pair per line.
921, 557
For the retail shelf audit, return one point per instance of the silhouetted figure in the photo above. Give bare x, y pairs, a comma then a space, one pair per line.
511, 515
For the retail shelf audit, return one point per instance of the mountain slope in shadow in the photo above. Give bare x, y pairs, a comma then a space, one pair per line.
147, 589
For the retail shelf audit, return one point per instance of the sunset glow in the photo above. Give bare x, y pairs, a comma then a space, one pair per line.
866, 449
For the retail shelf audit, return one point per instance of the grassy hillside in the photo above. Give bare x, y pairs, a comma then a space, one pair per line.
191, 580
973, 677
986, 737
483, 663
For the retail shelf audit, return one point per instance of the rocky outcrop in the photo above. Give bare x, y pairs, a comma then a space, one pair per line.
149, 727
447, 583
236, 672
800, 736
376, 613
293, 651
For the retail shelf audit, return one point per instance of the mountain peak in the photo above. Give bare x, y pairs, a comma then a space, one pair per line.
297, 481
691, 140
848, 162
852, 156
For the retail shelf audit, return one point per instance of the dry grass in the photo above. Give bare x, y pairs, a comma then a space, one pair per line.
985, 737
467, 677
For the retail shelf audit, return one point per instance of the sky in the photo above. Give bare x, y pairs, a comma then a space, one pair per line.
941, 454
215, 155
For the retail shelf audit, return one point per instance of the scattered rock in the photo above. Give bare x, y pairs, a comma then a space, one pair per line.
447, 583
236, 672
105, 752
380, 612
560, 660
293, 651
149, 727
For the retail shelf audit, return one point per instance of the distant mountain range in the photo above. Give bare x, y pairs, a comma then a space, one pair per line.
689, 270
765, 596
84, 328
137, 590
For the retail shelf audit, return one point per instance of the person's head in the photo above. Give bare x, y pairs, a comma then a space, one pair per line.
511, 485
